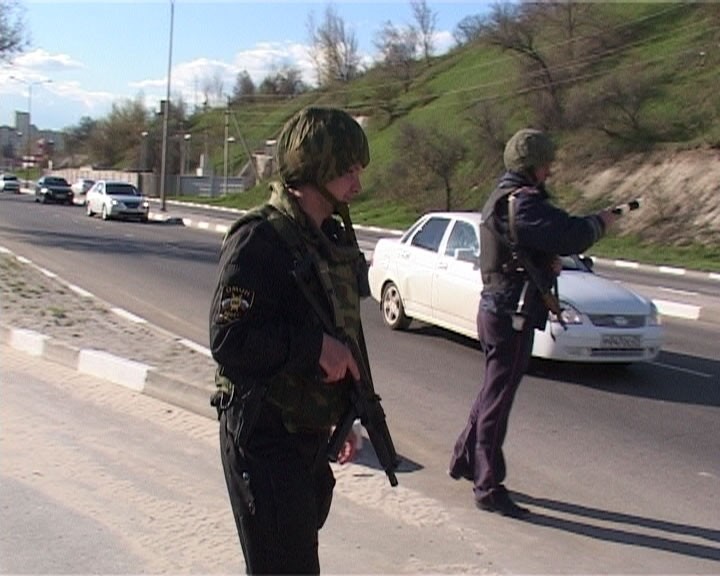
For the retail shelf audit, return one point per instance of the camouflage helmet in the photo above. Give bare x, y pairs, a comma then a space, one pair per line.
318, 145
528, 149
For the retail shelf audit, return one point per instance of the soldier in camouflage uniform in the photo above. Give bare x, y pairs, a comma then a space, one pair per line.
283, 381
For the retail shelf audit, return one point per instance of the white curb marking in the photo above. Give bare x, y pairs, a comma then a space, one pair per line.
127, 373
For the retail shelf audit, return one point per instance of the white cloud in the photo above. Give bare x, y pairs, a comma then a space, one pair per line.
40, 60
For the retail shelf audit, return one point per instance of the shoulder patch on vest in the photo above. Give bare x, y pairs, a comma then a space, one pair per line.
234, 303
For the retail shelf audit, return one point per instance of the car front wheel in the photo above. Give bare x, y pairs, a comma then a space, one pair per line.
393, 311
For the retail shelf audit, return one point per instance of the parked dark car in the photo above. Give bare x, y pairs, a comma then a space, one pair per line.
53, 189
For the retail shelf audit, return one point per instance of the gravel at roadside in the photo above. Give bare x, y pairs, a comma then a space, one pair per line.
33, 300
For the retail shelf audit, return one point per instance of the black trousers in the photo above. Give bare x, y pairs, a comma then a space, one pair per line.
291, 484
478, 451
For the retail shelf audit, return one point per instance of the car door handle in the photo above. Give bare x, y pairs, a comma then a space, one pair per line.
442, 265
404, 254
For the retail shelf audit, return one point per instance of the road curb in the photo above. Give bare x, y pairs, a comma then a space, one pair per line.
130, 374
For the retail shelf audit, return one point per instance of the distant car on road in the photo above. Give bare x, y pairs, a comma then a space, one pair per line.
53, 189
116, 199
80, 188
432, 274
9, 183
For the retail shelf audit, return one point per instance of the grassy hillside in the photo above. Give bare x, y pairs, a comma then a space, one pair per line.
635, 81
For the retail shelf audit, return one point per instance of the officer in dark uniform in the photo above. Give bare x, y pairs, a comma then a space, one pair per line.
522, 235
283, 381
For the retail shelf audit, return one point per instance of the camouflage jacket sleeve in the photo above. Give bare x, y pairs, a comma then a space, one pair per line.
258, 324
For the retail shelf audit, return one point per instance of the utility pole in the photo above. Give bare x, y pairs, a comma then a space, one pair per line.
225, 151
166, 113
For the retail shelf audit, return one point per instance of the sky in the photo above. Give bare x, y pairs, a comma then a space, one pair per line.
86, 55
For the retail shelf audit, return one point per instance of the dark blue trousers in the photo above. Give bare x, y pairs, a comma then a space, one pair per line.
478, 452
291, 485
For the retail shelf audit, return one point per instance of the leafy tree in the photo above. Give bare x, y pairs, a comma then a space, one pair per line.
426, 21
12, 30
333, 48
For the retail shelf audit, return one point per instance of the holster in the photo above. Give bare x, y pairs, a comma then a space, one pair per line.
242, 408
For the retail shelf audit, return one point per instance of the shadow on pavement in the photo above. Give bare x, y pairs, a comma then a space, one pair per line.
626, 534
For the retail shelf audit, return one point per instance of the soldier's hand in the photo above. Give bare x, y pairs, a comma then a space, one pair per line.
336, 360
349, 449
608, 217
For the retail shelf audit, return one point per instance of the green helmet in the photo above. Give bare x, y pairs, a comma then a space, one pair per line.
528, 149
318, 145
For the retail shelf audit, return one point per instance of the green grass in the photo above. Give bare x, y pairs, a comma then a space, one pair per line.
370, 211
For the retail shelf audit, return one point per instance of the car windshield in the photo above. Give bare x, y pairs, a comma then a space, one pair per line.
121, 190
56, 181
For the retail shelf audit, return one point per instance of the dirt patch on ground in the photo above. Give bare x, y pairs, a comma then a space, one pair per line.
31, 300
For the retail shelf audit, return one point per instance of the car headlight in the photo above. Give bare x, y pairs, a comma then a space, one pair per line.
114, 202
146, 204
654, 316
570, 314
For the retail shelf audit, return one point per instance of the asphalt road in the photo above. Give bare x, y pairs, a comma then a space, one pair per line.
620, 466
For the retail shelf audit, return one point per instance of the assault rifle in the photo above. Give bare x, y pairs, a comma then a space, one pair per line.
365, 403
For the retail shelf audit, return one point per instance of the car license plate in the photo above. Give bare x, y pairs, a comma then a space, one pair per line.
621, 341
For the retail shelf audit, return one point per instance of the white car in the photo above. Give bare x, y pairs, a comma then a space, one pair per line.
116, 199
432, 274
80, 189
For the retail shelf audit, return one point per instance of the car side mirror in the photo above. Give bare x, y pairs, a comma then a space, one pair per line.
588, 261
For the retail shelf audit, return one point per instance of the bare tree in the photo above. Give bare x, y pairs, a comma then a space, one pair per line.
213, 88
510, 27
12, 29
333, 48
285, 82
397, 50
435, 156
244, 90
469, 29
426, 21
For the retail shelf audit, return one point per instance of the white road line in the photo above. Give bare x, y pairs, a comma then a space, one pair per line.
676, 291
195, 346
678, 310
686, 370
80, 292
129, 316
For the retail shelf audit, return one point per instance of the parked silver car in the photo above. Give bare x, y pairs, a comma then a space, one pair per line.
116, 199
9, 183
